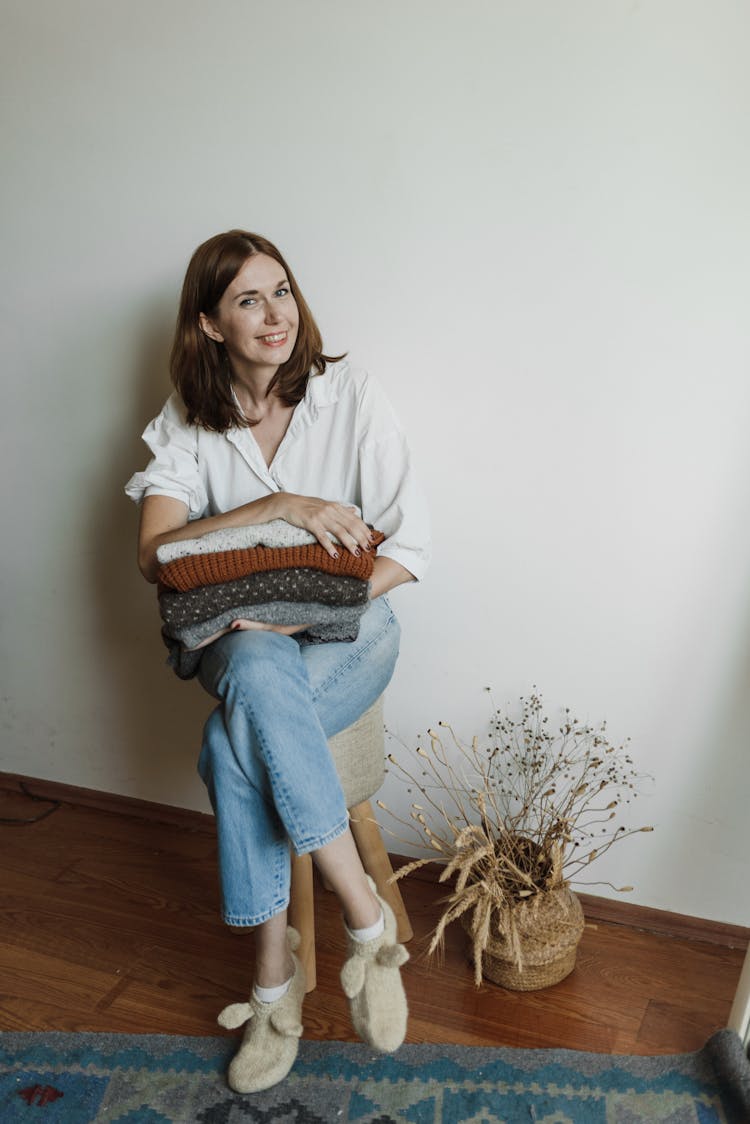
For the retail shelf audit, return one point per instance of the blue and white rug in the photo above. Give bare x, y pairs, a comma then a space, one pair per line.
157, 1079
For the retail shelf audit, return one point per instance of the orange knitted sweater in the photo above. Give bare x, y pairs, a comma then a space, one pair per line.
196, 570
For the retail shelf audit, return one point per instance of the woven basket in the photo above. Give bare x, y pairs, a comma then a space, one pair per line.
549, 928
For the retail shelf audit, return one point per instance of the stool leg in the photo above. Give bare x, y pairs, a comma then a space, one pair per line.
377, 864
302, 914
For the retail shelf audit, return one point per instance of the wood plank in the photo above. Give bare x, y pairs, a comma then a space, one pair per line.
680, 1023
618, 911
27, 975
113, 802
110, 921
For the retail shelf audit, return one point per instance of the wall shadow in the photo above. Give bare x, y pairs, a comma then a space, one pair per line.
159, 718
723, 786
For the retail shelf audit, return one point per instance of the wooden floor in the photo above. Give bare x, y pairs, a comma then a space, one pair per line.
110, 922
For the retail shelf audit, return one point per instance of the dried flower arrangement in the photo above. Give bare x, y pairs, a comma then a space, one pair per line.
514, 821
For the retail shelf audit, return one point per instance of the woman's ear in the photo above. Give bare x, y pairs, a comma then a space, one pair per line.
208, 329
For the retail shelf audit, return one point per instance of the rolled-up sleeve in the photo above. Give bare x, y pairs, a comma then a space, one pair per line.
392, 497
173, 469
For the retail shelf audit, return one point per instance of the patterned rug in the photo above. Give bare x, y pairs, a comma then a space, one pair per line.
156, 1079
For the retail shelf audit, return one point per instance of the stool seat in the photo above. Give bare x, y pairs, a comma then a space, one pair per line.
359, 755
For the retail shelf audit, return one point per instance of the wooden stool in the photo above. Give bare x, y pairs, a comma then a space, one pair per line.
359, 754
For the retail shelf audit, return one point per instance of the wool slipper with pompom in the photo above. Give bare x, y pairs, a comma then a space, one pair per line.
372, 983
271, 1040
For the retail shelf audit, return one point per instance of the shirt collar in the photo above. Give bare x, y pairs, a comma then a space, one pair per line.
321, 390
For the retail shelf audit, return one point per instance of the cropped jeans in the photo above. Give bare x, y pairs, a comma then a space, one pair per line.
265, 758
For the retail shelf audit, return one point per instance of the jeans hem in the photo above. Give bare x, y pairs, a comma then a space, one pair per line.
322, 840
259, 919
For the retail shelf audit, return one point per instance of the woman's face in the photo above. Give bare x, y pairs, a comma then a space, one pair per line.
257, 318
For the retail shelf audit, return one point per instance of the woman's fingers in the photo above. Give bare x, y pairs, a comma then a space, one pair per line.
244, 625
353, 532
324, 519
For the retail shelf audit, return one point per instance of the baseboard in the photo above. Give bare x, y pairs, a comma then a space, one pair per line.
608, 911
596, 909
107, 802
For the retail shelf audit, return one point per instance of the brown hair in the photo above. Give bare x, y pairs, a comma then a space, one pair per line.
199, 366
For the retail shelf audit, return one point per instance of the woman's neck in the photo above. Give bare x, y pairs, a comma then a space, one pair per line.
251, 390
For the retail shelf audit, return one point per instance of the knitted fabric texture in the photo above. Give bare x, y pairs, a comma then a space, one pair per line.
327, 622
343, 624
275, 533
372, 983
273, 573
272, 1032
185, 664
194, 570
294, 585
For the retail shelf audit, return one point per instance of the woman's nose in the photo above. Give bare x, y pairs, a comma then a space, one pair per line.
272, 314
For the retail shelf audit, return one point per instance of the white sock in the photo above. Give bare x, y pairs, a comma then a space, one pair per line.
371, 932
271, 994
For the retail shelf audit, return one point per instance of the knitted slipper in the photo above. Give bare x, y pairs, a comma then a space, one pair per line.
271, 1040
372, 983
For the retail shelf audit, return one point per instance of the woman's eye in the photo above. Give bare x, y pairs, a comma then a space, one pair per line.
248, 302
281, 293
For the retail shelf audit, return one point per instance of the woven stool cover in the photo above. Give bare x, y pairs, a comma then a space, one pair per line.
359, 755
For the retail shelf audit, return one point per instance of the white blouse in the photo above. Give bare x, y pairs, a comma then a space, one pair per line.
343, 443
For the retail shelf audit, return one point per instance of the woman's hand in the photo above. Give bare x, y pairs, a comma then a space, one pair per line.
242, 624
324, 518
164, 519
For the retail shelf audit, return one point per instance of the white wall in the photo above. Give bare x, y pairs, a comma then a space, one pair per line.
530, 218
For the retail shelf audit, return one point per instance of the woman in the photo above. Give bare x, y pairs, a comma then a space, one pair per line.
264, 426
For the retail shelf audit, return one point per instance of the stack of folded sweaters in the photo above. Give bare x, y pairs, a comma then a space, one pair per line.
270, 572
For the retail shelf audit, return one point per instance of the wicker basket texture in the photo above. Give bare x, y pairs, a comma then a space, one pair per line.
549, 927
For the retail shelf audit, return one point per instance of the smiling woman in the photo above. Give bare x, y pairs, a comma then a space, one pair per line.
257, 322
264, 428
232, 281
256, 319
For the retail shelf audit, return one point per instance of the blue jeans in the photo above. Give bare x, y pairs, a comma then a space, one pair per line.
265, 758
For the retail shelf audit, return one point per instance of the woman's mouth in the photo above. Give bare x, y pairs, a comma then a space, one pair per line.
274, 340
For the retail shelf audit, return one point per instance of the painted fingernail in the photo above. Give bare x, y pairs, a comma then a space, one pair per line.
357, 552
335, 554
